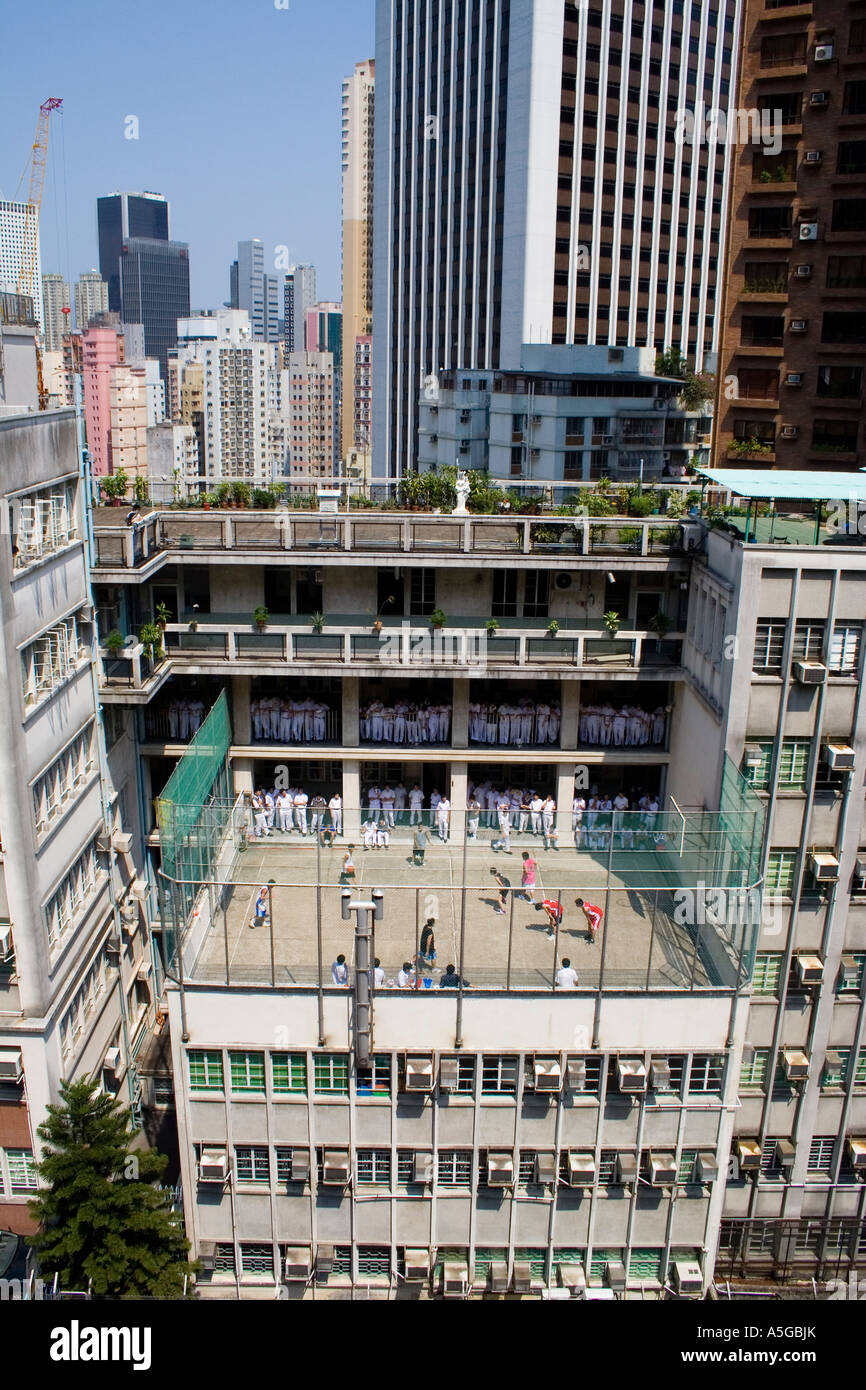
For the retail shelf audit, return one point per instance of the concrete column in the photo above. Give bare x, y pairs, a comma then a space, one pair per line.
570, 704
243, 774
460, 714
564, 799
241, 723
457, 795
351, 717
352, 796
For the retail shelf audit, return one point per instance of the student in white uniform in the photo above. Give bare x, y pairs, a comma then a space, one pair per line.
547, 814
416, 802
400, 802
369, 830
536, 806
566, 975
578, 807
285, 808
378, 974
443, 817
388, 800
383, 833
260, 816
335, 806
301, 802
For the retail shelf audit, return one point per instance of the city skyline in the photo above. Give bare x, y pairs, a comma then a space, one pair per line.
247, 187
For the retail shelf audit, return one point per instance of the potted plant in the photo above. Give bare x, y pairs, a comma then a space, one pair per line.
222, 494
193, 626
552, 628
260, 617
115, 642
139, 491
660, 624
318, 621
150, 638
241, 494
611, 622
114, 487
162, 615
492, 626
437, 618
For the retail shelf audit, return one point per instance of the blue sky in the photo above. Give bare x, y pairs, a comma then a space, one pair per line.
238, 105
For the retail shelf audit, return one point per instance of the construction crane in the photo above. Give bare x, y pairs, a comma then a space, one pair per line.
27, 268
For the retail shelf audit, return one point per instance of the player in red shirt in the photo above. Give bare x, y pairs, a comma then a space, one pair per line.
593, 917
554, 912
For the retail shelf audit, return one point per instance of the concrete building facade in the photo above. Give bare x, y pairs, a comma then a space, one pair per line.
357, 190
55, 298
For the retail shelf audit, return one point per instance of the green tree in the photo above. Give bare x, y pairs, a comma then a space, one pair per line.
697, 387
114, 485
102, 1219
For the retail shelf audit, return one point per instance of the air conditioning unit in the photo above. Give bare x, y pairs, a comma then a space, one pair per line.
449, 1074
803, 272
785, 1153
335, 1168
626, 1168
213, 1166
422, 1169
545, 1168
690, 535
500, 1170
325, 1255
809, 672
660, 1075
615, 1275
455, 1278
824, 867
688, 1278
547, 1074
819, 98
748, 1154
122, 842
607, 439
808, 231
823, 54
839, 756
144, 972
575, 1073
810, 968
859, 876
572, 1277
103, 842
522, 1281
207, 1256
794, 379
535, 453
300, 1165
662, 1169
581, 1169
753, 755
790, 431
849, 970
419, 1073
706, 1168
798, 325
11, 1068
631, 1076
298, 1265
417, 1265
112, 943
138, 889
857, 1153
796, 1064
111, 1060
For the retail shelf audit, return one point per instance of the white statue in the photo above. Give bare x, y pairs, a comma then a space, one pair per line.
463, 490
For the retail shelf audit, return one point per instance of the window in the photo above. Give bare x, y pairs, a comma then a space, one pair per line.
845, 649
373, 1167
767, 973
257, 1259
43, 522
706, 1075
454, 1168
526, 1167
834, 436
645, 1264
536, 594
821, 1156
50, 659
840, 326
224, 1258
779, 880
686, 1172
375, 1079
769, 645
422, 598
247, 1072
600, 1261
252, 1165
205, 1071
850, 983
534, 1257
504, 593
837, 1069
753, 1073
21, 1171
70, 901
499, 1076
374, 1261
770, 1165
484, 1258
846, 273
770, 222
61, 783
759, 777
607, 1166
331, 1074
840, 383
793, 765
849, 215
288, 1072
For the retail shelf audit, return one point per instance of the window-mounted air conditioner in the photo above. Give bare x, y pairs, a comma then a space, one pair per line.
857, 1153
500, 1170
794, 379
335, 1168
298, 1264
122, 841
631, 1076
455, 1278
111, 1061
300, 1165
103, 842
839, 756
419, 1073
823, 53
753, 755
615, 1275
498, 1278
789, 431
818, 98
417, 1265
662, 1169
522, 1279
449, 1074
207, 1256
581, 1169
575, 1073
213, 1166
688, 1278
809, 672
803, 272
545, 1168
690, 534
626, 1168
849, 970
748, 1154
810, 968
824, 867
808, 231
706, 1168
11, 1067
796, 1064
859, 875
798, 325
547, 1074
572, 1277
814, 156
785, 1153
659, 1074
422, 1168
325, 1255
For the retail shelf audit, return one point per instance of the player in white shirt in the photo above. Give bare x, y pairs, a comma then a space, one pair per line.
416, 802
388, 800
578, 806
335, 806
443, 816
566, 975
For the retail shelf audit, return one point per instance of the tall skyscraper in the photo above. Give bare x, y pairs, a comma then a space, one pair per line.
91, 298
252, 289
793, 330
544, 197
225, 377
124, 215
358, 101
16, 237
55, 298
147, 273
299, 295
101, 349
